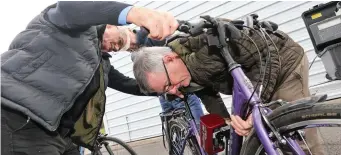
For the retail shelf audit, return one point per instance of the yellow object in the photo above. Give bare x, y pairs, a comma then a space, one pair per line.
316, 15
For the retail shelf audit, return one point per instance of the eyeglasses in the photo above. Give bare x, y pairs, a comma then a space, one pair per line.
169, 84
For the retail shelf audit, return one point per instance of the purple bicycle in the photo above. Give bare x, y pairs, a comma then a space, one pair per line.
275, 132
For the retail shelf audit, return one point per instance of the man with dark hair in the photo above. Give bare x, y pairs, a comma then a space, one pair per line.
56, 71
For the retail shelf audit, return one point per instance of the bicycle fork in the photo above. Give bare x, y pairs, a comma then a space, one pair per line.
193, 131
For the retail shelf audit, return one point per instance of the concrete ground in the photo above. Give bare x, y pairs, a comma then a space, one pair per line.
154, 146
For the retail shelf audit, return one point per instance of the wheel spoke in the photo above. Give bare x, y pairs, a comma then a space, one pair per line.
304, 141
179, 129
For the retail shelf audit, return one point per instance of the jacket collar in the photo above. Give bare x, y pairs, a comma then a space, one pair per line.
100, 31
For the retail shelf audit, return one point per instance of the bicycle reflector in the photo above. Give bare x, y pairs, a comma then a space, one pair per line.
212, 131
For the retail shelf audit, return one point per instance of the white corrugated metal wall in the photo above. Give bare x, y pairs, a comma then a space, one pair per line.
131, 117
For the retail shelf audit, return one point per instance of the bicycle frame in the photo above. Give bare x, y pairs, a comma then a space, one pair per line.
242, 92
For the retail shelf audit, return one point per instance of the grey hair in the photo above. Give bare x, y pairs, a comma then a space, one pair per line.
148, 60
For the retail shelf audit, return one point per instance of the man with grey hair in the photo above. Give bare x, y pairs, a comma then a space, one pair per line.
153, 75
141, 40
191, 60
55, 73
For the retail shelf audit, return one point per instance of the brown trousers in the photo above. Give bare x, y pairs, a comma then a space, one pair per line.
295, 87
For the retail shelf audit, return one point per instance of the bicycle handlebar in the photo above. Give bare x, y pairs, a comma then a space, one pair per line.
191, 28
188, 27
194, 28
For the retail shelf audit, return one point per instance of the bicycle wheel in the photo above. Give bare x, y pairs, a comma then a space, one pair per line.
115, 146
291, 120
178, 129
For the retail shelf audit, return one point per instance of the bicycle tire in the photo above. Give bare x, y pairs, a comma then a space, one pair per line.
289, 115
191, 141
120, 142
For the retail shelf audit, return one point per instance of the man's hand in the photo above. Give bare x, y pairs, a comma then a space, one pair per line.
160, 24
241, 127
